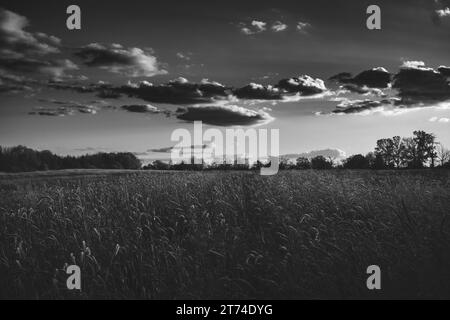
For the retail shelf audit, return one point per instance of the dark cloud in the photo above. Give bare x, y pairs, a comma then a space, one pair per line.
364, 106
141, 108
258, 91
133, 62
305, 85
54, 68
226, 115
169, 149
357, 106
374, 78
364, 90
177, 91
418, 83
445, 71
24, 52
100, 88
162, 150
10, 83
342, 77
15, 39
65, 108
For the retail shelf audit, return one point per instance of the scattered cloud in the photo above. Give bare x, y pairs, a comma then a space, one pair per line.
443, 12
177, 91
441, 120
302, 27
279, 26
387, 106
258, 91
414, 64
15, 39
377, 77
132, 62
224, 115
23, 51
254, 27
260, 26
183, 56
65, 110
418, 83
141, 108
10, 83
303, 84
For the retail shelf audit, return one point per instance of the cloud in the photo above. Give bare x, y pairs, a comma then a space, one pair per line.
10, 83
30, 53
162, 150
377, 77
13, 37
132, 62
364, 90
55, 68
258, 91
195, 148
304, 84
443, 12
414, 65
183, 56
141, 108
178, 91
356, 106
224, 115
418, 83
68, 109
255, 27
445, 71
302, 27
260, 26
102, 89
182, 91
441, 120
327, 153
278, 26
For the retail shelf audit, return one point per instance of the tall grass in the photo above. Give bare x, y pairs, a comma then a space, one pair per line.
228, 235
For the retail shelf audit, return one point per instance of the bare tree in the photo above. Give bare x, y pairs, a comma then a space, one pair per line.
442, 154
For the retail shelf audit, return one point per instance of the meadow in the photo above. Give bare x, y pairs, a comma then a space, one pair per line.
225, 235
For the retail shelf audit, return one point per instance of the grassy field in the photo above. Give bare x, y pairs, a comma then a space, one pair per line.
155, 235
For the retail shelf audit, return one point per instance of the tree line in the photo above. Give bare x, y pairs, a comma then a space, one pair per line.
416, 152
23, 159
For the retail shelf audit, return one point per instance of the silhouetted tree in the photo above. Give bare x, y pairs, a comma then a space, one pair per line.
320, 163
385, 150
303, 163
357, 161
425, 146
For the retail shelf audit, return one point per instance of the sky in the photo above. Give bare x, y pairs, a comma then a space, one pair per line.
138, 70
